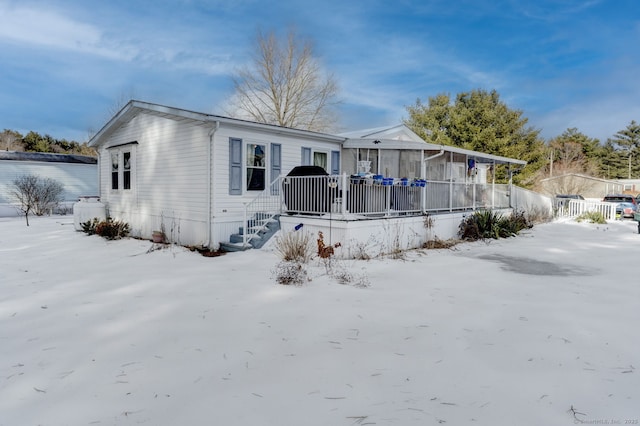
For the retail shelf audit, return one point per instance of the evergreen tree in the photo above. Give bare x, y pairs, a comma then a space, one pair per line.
480, 121
628, 141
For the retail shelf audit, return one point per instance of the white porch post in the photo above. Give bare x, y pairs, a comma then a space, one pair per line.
245, 225
473, 200
510, 186
493, 185
423, 176
451, 181
345, 193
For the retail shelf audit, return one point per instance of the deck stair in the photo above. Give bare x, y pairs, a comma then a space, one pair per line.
261, 221
259, 230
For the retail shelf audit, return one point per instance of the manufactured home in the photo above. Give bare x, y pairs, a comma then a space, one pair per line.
212, 181
77, 173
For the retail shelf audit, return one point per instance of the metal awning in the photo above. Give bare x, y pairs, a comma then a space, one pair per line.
389, 144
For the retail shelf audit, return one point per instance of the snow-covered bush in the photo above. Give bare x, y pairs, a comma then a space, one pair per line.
290, 273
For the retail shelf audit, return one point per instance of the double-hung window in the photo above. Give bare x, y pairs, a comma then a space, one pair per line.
256, 167
122, 166
115, 160
126, 170
253, 165
311, 157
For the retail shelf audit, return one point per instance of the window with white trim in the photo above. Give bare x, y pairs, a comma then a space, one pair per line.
115, 156
256, 166
320, 159
122, 167
126, 170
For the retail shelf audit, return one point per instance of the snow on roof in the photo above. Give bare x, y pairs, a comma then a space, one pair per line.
46, 157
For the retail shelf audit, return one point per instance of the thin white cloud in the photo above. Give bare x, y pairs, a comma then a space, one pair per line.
549, 11
37, 27
34, 27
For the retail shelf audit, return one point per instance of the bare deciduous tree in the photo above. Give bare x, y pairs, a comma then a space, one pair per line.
10, 140
285, 85
36, 195
569, 165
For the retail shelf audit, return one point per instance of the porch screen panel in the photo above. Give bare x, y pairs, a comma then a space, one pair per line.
410, 164
349, 161
335, 162
371, 157
235, 166
390, 162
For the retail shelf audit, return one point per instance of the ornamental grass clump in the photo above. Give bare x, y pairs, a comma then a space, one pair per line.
592, 217
486, 224
294, 246
296, 250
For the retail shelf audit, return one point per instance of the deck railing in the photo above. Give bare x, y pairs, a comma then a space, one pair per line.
363, 196
261, 210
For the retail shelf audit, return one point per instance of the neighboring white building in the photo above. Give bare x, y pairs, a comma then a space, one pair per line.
588, 186
78, 174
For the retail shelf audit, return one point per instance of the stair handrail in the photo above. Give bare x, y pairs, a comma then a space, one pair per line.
268, 201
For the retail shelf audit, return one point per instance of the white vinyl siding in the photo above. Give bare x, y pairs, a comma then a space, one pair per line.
78, 179
170, 171
231, 207
171, 178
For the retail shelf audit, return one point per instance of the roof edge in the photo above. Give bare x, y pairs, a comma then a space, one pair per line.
130, 109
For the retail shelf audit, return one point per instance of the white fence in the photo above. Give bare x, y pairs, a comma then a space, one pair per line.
575, 208
529, 201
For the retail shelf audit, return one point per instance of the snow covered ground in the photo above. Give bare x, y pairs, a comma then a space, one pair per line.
542, 329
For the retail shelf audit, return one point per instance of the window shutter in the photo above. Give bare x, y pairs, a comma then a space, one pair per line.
306, 156
335, 162
276, 160
235, 166
276, 163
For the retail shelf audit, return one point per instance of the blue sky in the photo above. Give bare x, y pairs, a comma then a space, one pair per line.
66, 64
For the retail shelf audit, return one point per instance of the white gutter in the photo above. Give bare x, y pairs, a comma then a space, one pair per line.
212, 133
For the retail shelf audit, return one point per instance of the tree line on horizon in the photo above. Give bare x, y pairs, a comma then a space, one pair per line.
11, 140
